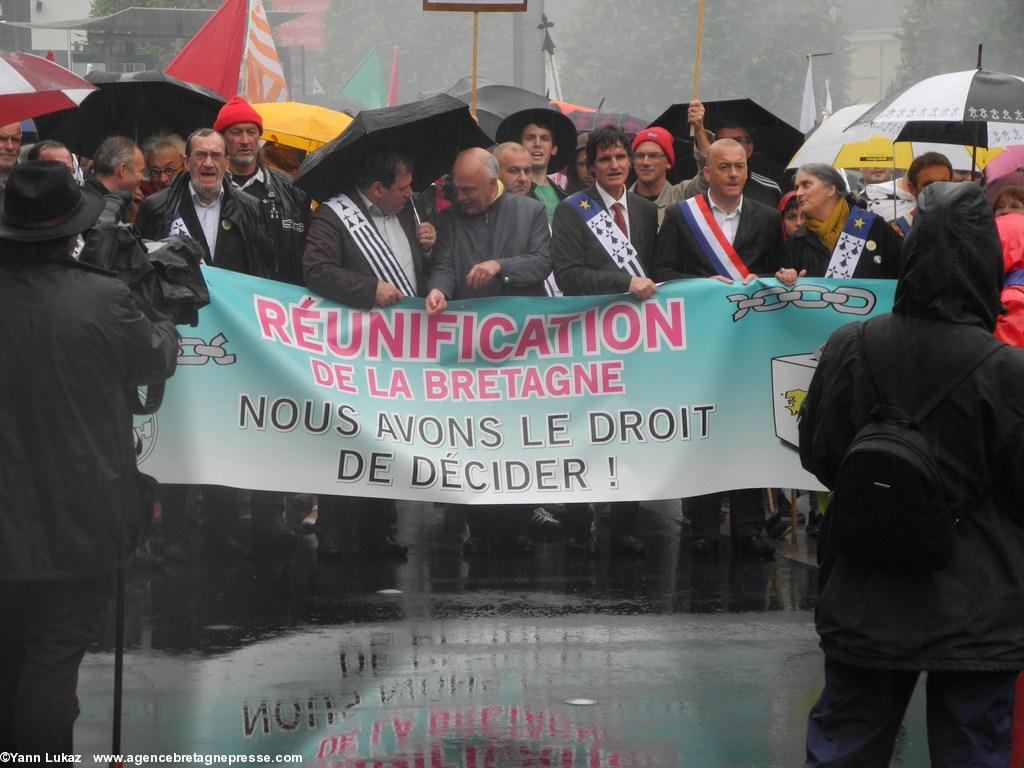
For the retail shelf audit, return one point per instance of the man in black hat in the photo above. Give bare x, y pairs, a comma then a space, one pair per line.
541, 132
73, 347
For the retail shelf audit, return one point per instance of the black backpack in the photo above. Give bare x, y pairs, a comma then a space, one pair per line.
888, 508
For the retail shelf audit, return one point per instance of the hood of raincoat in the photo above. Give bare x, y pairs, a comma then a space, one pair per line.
1011, 234
952, 264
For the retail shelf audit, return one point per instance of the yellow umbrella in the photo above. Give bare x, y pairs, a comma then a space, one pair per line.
835, 142
298, 125
880, 151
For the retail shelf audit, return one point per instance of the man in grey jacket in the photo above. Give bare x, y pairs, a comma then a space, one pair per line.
490, 243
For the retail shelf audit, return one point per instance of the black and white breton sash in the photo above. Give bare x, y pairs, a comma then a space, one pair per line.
852, 243
618, 247
378, 254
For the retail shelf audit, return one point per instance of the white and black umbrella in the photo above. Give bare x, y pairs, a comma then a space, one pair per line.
970, 107
31, 86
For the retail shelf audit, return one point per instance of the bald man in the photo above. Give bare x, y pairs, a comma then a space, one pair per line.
514, 167
724, 235
490, 243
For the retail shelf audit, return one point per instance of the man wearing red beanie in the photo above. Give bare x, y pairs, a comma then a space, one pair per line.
654, 156
284, 207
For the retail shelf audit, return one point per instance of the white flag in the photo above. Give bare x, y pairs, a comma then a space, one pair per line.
828, 97
317, 89
808, 110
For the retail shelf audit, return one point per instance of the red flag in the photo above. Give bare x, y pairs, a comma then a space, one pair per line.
213, 56
392, 99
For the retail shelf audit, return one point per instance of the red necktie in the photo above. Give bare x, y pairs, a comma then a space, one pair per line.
620, 220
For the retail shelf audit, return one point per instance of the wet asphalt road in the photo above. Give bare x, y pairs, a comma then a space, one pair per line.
438, 660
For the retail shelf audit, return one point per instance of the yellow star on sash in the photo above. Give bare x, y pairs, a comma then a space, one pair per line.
858, 222
585, 205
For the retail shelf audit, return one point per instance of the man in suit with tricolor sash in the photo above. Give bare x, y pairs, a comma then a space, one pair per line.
722, 235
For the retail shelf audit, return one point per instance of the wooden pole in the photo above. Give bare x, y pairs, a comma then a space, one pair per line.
695, 91
476, 41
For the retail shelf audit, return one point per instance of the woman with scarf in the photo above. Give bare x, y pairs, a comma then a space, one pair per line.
838, 239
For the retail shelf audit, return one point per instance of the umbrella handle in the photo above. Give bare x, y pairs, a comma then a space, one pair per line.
697, 55
115, 742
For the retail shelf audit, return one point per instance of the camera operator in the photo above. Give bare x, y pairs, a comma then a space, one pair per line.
73, 345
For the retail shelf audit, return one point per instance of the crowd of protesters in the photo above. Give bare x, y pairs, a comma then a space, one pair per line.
499, 225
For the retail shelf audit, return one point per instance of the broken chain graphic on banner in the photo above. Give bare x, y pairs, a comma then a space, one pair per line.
848, 300
199, 352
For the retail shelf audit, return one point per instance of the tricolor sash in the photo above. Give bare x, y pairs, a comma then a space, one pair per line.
378, 254
612, 240
711, 239
851, 244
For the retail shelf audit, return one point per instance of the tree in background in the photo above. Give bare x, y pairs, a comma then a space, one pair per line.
435, 47
161, 52
943, 36
107, 7
639, 56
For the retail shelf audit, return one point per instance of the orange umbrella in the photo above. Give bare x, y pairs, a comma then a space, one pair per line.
567, 106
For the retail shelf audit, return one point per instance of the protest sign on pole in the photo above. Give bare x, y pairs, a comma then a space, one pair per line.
474, 6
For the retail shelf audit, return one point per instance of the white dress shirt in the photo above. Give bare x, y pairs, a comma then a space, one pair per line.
390, 228
209, 217
729, 222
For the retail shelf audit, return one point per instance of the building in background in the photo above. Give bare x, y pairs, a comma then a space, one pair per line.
875, 40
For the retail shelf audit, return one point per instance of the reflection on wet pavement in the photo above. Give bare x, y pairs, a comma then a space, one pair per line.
442, 661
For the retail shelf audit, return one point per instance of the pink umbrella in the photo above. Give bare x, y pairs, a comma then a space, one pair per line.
1004, 170
31, 85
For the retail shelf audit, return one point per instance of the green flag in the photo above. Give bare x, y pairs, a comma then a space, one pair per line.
366, 84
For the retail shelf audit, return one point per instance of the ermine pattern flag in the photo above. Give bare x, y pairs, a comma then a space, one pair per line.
264, 76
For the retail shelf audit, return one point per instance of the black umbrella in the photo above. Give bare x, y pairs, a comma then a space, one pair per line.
496, 102
431, 132
133, 104
504, 110
561, 127
772, 135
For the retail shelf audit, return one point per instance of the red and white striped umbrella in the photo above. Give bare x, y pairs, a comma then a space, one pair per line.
31, 85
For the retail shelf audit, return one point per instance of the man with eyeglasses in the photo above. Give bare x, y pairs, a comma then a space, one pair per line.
226, 222
202, 204
10, 146
654, 156
165, 159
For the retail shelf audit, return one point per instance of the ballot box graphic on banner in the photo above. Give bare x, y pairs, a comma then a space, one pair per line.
791, 377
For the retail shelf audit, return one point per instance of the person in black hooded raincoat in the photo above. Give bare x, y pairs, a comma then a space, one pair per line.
964, 623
